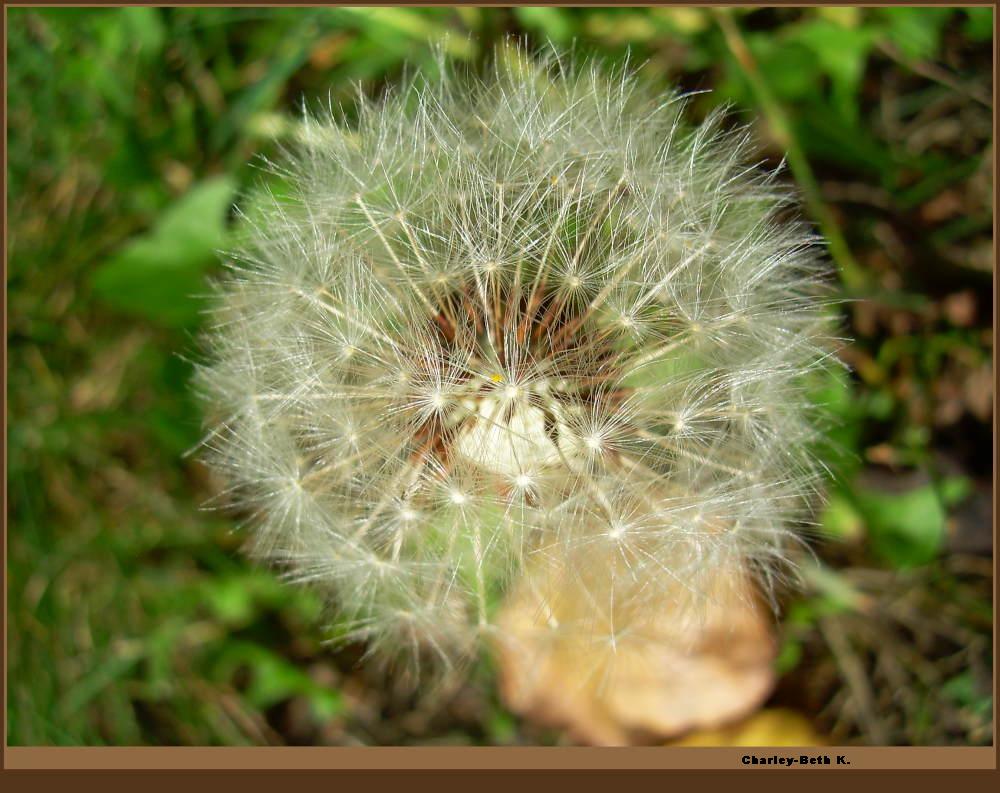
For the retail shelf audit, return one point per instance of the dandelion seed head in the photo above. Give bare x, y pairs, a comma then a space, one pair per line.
531, 321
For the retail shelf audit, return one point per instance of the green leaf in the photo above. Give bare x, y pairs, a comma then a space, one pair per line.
160, 276
954, 489
963, 691
686, 21
832, 392
502, 727
263, 93
274, 679
906, 529
834, 594
550, 22
845, 16
230, 599
144, 28
117, 665
829, 137
788, 656
789, 69
841, 53
979, 23
663, 370
916, 31
416, 26
841, 521
326, 703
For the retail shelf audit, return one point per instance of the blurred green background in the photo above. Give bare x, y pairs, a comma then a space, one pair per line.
132, 616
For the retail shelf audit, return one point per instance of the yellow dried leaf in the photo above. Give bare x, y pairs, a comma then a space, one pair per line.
768, 727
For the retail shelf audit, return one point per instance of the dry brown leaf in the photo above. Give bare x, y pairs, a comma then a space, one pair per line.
685, 669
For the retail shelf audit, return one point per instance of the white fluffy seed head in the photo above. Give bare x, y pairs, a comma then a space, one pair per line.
529, 322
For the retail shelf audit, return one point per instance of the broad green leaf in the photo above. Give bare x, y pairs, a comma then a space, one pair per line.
789, 656
834, 594
916, 32
963, 691
789, 68
954, 490
979, 23
326, 703
841, 53
906, 529
416, 26
263, 93
838, 447
502, 727
230, 599
144, 28
107, 670
552, 23
274, 679
160, 276
841, 521
663, 370
829, 137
